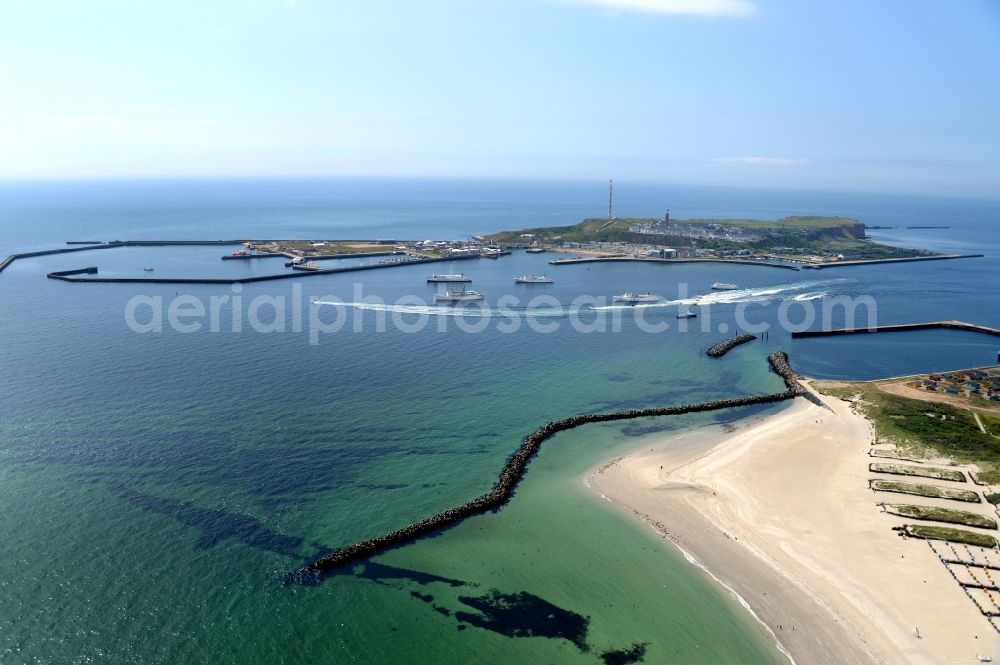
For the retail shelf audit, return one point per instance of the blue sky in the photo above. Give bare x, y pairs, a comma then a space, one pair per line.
885, 95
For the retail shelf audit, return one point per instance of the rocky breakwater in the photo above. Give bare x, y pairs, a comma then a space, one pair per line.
516, 467
720, 349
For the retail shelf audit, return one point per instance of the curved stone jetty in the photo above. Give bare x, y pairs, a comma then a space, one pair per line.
726, 345
516, 466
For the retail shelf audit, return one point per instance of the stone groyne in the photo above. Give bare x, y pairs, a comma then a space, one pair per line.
515, 468
726, 345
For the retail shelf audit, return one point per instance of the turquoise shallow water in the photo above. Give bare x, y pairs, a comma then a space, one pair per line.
157, 488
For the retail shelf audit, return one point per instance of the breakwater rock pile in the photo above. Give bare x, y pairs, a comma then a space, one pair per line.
720, 349
779, 363
516, 467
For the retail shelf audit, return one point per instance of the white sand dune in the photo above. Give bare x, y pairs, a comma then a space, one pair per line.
780, 511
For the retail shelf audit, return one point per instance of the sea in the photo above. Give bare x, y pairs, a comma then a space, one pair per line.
163, 474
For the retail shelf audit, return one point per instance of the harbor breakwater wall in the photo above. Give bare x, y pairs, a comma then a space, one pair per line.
66, 275
899, 327
83, 246
516, 467
634, 259
906, 259
726, 345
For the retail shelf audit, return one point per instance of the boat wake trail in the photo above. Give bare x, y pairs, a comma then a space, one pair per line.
467, 311
796, 291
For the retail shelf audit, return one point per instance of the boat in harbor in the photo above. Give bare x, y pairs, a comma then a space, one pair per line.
533, 279
686, 313
148, 269
724, 286
458, 296
535, 250
633, 298
454, 277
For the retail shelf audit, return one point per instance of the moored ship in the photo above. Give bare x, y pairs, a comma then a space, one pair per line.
533, 279
455, 277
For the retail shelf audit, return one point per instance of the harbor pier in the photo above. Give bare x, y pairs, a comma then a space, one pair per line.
900, 327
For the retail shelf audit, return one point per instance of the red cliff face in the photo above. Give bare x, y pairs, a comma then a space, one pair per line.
855, 230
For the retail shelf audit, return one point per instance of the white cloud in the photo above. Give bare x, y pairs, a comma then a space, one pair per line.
680, 7
762, 161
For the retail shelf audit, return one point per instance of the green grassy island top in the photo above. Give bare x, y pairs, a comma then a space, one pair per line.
799, 237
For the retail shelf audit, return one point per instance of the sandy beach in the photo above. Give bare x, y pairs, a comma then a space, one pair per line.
779, 510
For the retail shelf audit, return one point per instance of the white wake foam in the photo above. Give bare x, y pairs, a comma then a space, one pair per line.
796, 291
800, 291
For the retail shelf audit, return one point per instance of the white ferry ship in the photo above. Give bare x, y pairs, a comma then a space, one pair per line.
533, 279
457, 277
724, 286
458, 296
633, 298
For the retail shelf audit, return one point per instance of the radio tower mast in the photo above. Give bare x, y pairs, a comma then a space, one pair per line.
611, 195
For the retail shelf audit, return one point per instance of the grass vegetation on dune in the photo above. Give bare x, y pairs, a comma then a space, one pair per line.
924, 429
951, 534
934, 514
922, 471
920, 489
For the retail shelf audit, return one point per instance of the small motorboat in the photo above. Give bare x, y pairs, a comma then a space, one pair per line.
685, 313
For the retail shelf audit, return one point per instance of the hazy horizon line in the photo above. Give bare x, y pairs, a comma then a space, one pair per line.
494, 178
